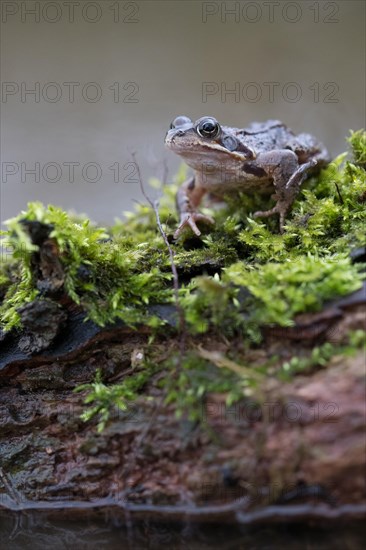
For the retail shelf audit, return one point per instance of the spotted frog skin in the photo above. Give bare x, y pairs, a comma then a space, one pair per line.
264, 157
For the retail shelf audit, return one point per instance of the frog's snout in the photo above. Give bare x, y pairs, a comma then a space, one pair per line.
179, 133
172, 134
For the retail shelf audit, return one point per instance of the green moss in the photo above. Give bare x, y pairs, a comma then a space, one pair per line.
275, 293
282, 290
188, 384
106, 398
108, 277
358, 143
321, 355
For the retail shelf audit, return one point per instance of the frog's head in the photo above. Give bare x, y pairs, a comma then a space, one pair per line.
205, 141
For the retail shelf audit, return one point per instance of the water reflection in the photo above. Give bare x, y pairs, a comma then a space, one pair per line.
29, 530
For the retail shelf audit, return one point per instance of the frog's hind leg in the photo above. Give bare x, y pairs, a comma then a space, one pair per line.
287, 177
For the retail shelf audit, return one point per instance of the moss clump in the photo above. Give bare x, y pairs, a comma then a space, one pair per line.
106, 277
275, 293
189, 383
320, 356
358, 144
119, 396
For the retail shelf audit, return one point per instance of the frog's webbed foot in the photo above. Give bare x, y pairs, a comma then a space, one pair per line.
190, 219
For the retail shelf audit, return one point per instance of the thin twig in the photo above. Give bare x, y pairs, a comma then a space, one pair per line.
155, 206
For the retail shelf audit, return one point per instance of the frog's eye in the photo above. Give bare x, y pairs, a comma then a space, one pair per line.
208, 127
180, 121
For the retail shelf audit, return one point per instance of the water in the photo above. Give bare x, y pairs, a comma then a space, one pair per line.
23, 531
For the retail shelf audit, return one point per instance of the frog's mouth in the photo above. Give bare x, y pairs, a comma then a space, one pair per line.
188, 144
213, 147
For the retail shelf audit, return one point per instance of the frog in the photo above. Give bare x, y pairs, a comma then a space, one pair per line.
264, 157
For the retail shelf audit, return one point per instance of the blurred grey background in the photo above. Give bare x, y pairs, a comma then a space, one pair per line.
110, 76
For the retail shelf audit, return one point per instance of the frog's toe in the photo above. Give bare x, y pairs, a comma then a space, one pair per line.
204, 218
190, 219
266, 213
187, 219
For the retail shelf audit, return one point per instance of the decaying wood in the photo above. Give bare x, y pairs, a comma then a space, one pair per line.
301, 448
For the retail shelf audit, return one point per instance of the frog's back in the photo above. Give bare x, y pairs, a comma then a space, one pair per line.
265, 136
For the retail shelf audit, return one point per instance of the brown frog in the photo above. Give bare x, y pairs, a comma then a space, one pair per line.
264, 157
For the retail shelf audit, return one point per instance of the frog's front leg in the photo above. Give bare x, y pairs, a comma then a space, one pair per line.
188, 199
287, 176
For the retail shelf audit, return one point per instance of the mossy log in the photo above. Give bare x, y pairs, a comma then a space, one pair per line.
217, 379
